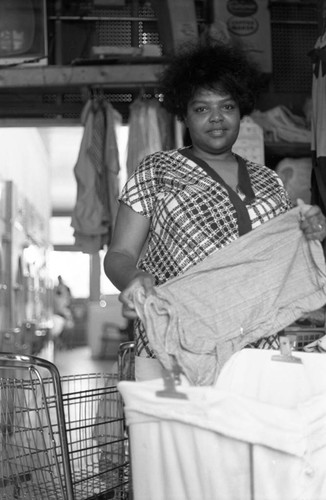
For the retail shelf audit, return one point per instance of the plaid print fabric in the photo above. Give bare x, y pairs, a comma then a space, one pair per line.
191, 214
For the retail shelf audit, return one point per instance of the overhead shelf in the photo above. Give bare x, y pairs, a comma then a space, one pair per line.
111, 75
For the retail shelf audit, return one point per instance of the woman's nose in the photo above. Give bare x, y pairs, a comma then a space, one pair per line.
216, 116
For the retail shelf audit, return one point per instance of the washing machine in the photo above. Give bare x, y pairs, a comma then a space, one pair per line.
20, 336
29, 308
5, 250
36, 256
19, 272
37, 284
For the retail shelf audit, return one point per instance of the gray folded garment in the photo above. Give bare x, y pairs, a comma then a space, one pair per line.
253, 288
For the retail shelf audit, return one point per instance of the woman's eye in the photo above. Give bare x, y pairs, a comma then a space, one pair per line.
200, 109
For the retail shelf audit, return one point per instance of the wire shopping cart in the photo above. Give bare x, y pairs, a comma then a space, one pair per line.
126, 360
62, 438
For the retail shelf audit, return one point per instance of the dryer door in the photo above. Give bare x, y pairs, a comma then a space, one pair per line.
5, 302
19, 294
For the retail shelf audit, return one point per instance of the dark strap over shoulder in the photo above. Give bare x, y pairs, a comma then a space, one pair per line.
243, 219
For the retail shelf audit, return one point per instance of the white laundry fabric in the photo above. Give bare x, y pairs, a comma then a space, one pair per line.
296, 176
210, 445
253, 288
280, 124
257, 375
316, 346
149, 131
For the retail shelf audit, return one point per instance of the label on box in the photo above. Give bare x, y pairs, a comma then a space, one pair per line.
248, 21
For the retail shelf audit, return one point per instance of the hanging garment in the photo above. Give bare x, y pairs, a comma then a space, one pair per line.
253, 288
150, 130
318, 145
96, 173
112, 164
259, 434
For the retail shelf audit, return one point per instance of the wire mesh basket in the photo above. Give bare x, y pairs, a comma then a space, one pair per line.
304, 336
62, 438
126, 360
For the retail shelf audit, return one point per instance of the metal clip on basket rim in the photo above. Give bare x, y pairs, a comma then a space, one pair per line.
286, 346
171, 380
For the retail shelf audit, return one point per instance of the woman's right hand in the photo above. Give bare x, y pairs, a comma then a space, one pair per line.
141, 280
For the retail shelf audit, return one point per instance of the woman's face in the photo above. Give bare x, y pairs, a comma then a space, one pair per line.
213, 121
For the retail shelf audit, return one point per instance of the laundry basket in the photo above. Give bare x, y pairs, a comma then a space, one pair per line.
305, 336
217, 443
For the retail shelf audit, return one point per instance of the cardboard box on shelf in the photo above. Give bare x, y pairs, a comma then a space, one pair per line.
177, 22
248, 23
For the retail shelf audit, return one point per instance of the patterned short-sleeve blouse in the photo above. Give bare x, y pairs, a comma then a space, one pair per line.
193, 212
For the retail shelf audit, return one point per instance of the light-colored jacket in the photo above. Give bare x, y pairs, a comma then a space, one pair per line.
96, 172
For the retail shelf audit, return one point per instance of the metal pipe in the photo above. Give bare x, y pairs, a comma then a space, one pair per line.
101, 18
58, 33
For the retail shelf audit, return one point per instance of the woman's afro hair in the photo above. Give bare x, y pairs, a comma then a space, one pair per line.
210, 65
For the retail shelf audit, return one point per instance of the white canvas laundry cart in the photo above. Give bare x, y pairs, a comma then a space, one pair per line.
259, 434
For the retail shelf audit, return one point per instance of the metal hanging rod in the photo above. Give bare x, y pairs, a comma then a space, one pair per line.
101, 18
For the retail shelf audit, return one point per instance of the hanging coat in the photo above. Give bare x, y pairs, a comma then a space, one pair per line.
318, 180
96, 172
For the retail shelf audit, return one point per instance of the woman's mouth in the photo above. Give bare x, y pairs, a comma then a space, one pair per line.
216, 132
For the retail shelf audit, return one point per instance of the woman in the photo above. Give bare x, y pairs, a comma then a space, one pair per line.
179, 206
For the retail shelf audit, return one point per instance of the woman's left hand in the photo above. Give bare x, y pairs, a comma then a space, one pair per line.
312, 222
